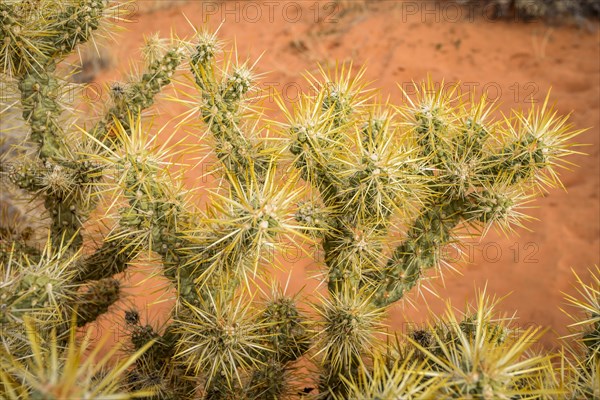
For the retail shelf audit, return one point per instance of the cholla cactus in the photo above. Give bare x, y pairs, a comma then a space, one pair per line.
344, 171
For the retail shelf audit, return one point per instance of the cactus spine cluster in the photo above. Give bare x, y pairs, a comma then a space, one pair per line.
381, 189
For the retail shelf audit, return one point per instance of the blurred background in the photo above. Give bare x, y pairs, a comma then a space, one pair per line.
511, 53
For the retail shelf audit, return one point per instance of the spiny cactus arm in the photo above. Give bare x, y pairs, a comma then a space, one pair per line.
155, 206
467, 149
336, 136
421, 250
67, 187
288, 337
255, 210
130, 100
34, 288
344, 92
66, 181
36, 38
316, 137
152, 208
43, 288
110, 259
19, 49
96, 300
430, 232
39, 92
51, 39
312, 160
222, 108
339, 101
145, 193
75, 25
45, 40
68, 212
376, 175
535, 145
383, 182
488, 191
39, 98
349, 323
159, 217
220, 338
287, 328
242, 228
456, 159
447, 200
155, 368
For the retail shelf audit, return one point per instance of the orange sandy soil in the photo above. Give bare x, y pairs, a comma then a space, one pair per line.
514, 60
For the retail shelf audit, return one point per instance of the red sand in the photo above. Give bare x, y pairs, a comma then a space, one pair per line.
510, 61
